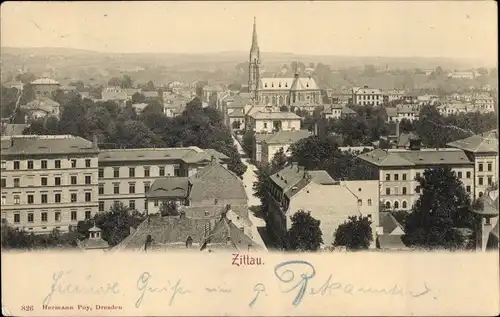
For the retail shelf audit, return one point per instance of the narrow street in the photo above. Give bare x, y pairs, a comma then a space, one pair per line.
253, 202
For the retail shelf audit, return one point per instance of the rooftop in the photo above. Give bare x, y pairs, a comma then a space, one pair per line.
169, 187
480, 143
423, 157
45, 144
45, 81
275, 115
389, 223
190, 154
287, 137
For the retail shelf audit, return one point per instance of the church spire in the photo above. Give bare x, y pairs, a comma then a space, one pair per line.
255, 44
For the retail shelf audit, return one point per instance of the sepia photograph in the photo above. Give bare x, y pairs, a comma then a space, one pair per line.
242, 158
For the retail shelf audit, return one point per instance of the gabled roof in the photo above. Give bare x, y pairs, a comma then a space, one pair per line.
485, 143
276, 83
275, 115
93, 243
192, 154
216, 182
424, 157
304, 83
236, 113
389, 223
321, 177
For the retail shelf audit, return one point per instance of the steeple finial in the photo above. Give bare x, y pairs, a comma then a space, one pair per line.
255, 44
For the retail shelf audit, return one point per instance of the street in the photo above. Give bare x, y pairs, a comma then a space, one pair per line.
249, 178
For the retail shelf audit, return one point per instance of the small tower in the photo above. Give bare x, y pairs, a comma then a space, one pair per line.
254, 62
487, 208
95, 240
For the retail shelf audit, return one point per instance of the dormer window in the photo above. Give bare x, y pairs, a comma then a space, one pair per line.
272, 84
265, 85
286, 85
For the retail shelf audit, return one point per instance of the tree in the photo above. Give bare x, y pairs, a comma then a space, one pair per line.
305, 233
126, 82
169, 208
25, 78
354, 234
279, 160
284, 108
150, 86
80, 86
138, 98
236, 125
249, 143
441, 209
114, 82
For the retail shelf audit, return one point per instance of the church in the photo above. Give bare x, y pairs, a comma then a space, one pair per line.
279, 91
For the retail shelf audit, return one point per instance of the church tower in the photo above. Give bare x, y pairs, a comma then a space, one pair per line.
254, 62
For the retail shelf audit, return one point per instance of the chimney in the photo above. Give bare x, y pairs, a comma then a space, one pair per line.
213, 159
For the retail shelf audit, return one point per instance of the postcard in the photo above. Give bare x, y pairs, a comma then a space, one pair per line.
264, 158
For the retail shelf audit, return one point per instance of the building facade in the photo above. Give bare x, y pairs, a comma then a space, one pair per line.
367, 96
260, 122
398, 169
48, 182
44, 87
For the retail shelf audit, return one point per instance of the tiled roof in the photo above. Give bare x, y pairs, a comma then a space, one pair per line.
190, 154
237, 213
114, 95
488, 206
305, 83
347, 110
390, 241
226, 233
45, 144
275, 115
45, 81
389, 223
364, 91
321, 177
218, 155
487, 142
423, 157
240, 101
287, 137
169, 187
275, 83
216, 182
259, 137
404, 138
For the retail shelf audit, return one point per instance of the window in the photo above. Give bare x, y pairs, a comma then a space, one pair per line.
490, 180
30, 165
17, 218
162, 171
177, 170
44, 164
44, 181
396, 177
467, 188
490, 167
404, 176
87, 214
131, 204
417, 176
360, 202
265, 125
116, 188
101, 173
387, 191
4, 182
146, 188
404, 205
417, 189
73, 180
4, 200
146, 172
73, 215
131, 188
17, 200
480, 180
88, 196
101, 205
73, 197
156, 203
396, 205
73, 163
404, 190
57, 163
101, 189
131, 172
44, 217
87, 163
467, 174
57, 197
459, 174
43, 198
17, 182
88, 179
369, 202
387, 177
31, 217
480, 167
17, 165
388, 204
116, 172
57, 180
57, 216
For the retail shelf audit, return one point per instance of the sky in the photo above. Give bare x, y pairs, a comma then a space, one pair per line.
462, 29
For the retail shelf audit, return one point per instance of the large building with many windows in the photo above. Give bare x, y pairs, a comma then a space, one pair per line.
48, 182
398, 169
125, 175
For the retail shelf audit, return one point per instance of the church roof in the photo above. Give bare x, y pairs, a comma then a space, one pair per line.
304, 83
276, 83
